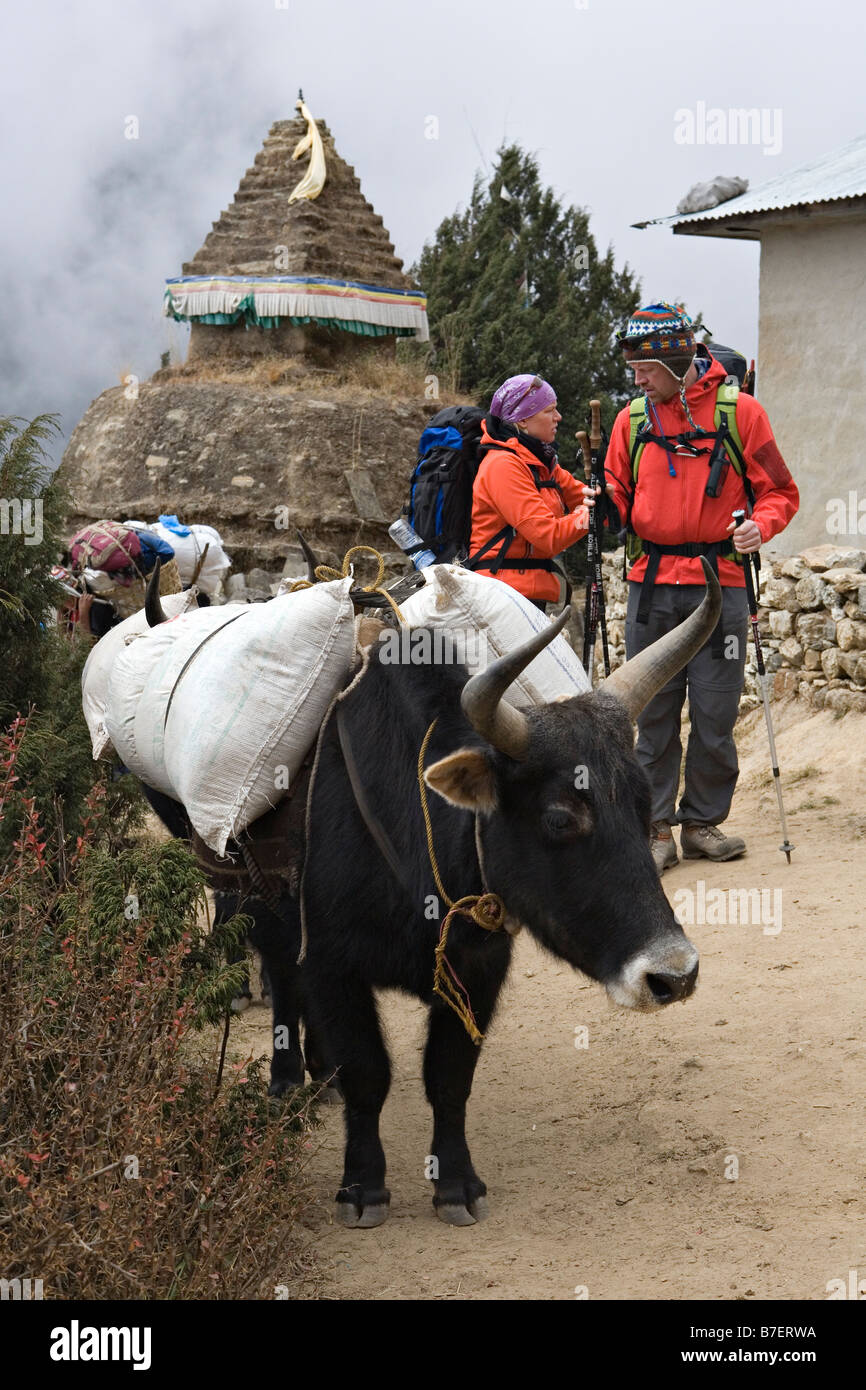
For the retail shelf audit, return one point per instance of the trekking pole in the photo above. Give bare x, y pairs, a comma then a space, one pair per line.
590, 609
751, 594
595, 612
596, 480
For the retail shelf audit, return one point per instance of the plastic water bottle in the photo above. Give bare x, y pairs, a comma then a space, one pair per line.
410, 542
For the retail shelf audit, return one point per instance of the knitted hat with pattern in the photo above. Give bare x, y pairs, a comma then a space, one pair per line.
660, 333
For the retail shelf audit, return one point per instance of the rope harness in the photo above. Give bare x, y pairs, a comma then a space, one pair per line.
487, 910
324, 573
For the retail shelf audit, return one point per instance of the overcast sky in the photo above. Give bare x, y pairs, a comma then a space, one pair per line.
93, 222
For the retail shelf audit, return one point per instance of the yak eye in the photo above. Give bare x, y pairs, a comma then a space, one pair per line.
560, 821
563, 822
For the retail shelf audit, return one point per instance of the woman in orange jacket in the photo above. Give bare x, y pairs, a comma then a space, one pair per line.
525, 508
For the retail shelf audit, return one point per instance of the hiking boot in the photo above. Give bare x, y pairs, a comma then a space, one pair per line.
699, 841
662, 847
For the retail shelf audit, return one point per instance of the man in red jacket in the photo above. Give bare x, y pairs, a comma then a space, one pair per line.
658, 476
525, 508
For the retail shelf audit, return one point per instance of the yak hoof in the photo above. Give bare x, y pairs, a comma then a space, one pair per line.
480, 1208
455, 1215
329, 1095
348, 1215
240, 1002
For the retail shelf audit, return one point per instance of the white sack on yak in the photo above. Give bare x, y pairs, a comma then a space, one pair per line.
148, 668
488, 619
97, 667
219, 707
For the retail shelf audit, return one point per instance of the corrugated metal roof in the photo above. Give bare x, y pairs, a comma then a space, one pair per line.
841, 174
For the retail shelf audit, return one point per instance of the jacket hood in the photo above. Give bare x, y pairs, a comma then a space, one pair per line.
498, 433
496, 430
709, 383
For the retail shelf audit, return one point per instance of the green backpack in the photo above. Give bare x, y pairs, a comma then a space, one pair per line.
725, 434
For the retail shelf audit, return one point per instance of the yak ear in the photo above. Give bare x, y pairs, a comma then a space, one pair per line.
464, 778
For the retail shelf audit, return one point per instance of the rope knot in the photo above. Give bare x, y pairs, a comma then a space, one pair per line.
489, 912
325, 573
486, 910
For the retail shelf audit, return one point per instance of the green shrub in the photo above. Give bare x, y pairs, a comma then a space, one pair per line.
131, 1166
132, 1169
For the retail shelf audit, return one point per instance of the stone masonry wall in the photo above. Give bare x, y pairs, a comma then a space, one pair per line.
812, 621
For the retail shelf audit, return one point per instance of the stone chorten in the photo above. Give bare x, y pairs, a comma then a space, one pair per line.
303, 272
296, 258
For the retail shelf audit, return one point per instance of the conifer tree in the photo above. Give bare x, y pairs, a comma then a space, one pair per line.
515, 283
30, 543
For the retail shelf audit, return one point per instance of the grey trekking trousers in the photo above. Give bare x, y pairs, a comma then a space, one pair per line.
714, 687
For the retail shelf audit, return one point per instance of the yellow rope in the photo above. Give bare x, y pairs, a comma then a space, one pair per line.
324, 573
485, 909
425, 808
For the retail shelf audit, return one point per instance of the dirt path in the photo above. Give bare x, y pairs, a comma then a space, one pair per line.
612, 1166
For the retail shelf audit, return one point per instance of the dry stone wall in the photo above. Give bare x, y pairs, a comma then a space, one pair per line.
812, 621
813, 612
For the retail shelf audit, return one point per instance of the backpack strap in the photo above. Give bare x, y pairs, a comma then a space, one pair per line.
725, 417
638, 424
726, 432
535, 470
508, 534
636, 419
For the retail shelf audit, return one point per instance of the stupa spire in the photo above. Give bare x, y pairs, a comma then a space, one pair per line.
298, 258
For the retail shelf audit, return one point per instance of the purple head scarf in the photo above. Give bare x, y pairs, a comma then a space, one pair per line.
517, 398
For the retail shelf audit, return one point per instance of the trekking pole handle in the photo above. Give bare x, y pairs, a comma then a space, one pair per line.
595, 426
583, 440
739, 517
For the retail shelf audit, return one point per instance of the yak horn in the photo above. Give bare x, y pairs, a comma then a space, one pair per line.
153, 609
502, 725
310, 558
640, 679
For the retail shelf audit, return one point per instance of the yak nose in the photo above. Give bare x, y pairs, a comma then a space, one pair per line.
668, 986
659, 976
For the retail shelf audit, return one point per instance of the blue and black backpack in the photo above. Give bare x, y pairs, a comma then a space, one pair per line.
440, 493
